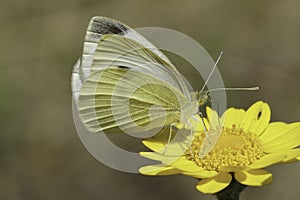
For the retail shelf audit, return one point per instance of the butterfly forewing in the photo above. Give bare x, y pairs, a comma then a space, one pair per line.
102, 26
116, 50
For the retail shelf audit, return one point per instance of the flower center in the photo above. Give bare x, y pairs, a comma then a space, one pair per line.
235, 148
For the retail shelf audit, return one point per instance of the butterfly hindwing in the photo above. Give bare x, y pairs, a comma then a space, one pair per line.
110, 99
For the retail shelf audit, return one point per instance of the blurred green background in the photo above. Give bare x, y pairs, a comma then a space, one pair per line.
40, 152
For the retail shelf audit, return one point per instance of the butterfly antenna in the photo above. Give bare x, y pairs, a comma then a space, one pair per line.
233, 89
212, 71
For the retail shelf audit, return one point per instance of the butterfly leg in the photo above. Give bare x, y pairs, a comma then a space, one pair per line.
211, 137
204, 127
207, 142
202, 121
169, 137
191, 138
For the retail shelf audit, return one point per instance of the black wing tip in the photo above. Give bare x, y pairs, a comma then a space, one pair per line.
105, 25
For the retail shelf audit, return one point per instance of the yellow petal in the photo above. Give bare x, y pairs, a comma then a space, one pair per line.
154, 145
179, 125
196, 122
232, 116
208, 112
182, 164
151, 155
257, 177
159, 141
213, 118
215, 184
292, 155
158, 170
288, 138
256, 118
202, 174
272, 131
175, 149
268, 160
204, 125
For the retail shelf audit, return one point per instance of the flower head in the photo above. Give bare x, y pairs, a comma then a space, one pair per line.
246, 143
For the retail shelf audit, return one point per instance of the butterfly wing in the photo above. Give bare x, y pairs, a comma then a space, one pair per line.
110, 99
101, 26
151, 80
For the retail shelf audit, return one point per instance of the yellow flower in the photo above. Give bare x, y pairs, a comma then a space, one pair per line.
247, 143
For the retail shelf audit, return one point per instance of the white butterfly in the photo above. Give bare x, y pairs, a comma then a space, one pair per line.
122, 81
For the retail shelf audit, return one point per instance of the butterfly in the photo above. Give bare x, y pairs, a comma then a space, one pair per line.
122, 82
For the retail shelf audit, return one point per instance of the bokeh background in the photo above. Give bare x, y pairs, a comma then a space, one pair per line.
41, 155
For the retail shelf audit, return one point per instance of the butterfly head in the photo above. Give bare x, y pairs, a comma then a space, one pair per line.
202, 97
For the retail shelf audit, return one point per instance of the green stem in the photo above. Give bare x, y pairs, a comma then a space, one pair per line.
232, 192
